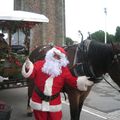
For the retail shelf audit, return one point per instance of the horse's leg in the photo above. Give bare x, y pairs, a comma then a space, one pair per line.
73, 96
74, 104
30, 90
76, 99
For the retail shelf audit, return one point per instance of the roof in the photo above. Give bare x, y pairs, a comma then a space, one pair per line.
21, 18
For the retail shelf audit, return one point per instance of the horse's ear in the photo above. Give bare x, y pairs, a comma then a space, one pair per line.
81, 35
89, 36
111, 43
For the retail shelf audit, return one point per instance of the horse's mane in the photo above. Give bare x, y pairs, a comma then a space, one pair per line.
100, 53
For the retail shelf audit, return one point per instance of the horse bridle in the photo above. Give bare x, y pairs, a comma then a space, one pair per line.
87, 68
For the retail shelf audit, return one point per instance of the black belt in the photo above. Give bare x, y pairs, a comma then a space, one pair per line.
45, 97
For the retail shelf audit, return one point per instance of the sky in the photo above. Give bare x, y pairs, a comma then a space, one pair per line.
88, 16
6, 5
85, 15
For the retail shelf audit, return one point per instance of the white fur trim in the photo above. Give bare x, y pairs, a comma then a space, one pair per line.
24, 73
47, 91
48, 86
39, 106
58, 52
52, 65
83, 83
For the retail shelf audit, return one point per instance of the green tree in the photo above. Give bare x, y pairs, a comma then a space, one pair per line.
68, 41
100, 36
117, 34
110, 38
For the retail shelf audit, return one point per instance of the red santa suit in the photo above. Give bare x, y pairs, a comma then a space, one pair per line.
51, 84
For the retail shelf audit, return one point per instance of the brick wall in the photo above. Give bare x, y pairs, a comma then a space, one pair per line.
52, 32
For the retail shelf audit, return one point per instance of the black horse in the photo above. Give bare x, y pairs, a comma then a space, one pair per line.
88, 58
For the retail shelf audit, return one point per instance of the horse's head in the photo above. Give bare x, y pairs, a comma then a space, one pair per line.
99, 58
94, 59
91, 59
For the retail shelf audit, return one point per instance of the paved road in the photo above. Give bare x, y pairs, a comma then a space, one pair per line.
105, 100
103, 103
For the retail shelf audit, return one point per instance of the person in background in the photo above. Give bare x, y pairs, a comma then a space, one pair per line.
50, 75
3, 44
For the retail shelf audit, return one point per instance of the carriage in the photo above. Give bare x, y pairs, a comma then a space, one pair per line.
15, 37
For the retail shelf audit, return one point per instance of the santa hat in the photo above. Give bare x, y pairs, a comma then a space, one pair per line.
60, 49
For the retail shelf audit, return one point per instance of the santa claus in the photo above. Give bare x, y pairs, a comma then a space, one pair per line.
49, 76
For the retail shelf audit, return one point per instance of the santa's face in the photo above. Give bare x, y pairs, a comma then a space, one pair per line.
52, 67
54, 62
56, 56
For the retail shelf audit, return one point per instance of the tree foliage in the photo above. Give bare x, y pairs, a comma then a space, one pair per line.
117, 34
100, 36
68, 41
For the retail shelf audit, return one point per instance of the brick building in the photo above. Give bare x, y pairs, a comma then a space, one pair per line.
45, 33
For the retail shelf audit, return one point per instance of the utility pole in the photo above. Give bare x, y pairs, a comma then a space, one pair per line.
105, 11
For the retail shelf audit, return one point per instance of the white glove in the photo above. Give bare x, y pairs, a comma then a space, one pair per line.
83, 83
29, 65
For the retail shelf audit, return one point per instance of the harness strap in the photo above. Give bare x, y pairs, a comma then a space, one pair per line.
45, 97
84, 67
75, 62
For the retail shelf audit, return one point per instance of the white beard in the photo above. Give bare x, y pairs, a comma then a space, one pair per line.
52, 68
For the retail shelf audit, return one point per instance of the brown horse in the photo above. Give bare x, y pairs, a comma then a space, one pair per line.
88, 58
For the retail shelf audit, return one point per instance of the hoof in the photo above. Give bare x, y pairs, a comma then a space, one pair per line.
29, 114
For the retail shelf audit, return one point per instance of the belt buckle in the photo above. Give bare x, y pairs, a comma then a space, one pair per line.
47, 98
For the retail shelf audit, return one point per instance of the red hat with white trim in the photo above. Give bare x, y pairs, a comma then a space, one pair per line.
60, 49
